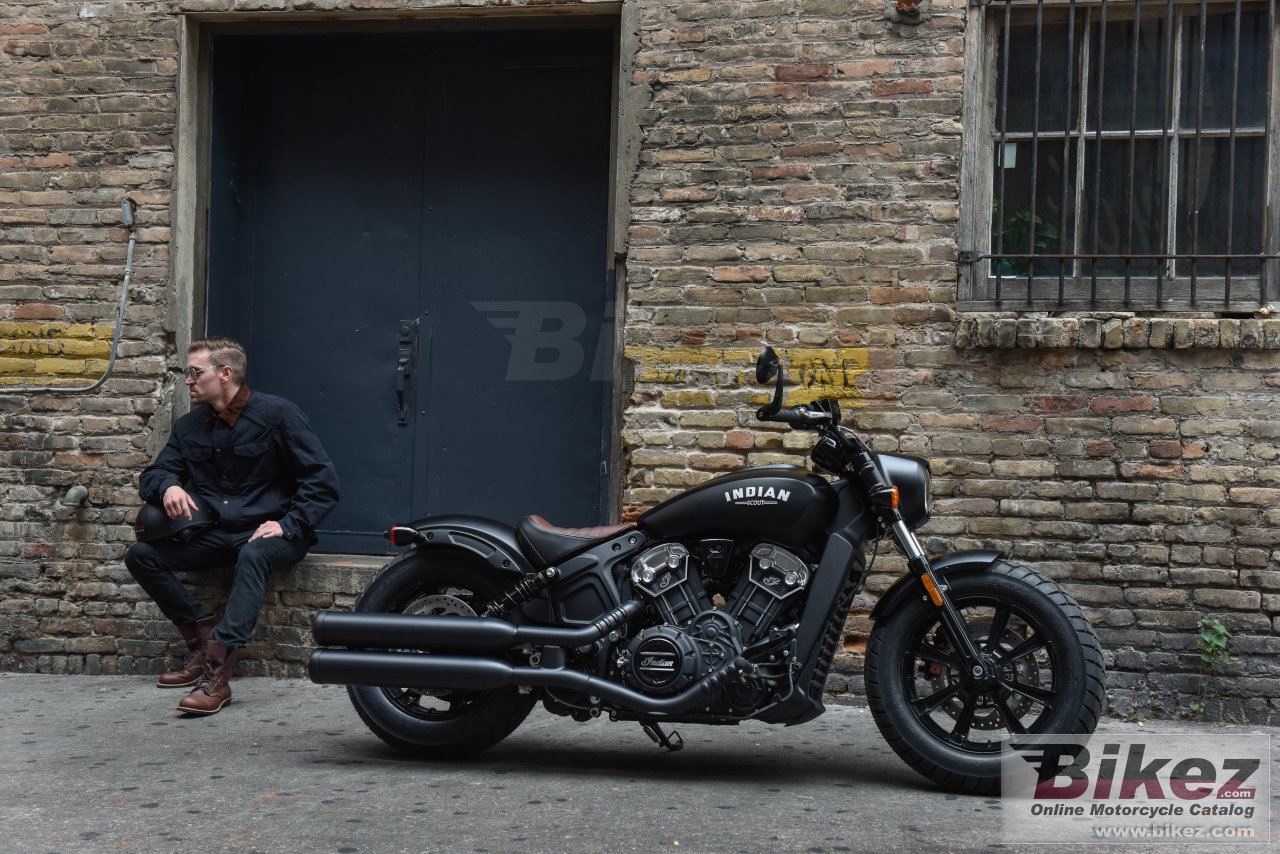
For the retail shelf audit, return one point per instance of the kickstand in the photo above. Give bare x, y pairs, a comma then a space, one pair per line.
671, 742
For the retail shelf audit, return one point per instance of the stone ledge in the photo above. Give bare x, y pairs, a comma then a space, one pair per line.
977, 332
328, 574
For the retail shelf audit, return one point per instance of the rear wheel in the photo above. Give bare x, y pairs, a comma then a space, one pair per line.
436, 723
948, 725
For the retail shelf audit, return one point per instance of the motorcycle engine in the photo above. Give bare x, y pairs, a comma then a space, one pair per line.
696, 638
667, 659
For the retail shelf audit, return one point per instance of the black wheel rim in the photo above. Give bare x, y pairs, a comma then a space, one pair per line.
973, 715
444, 598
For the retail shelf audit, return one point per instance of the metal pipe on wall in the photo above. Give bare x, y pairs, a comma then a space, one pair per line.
127, 210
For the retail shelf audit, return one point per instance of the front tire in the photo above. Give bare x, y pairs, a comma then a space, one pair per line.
949, 728
431, 723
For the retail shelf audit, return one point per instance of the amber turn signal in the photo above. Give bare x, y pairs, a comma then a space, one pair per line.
932, 589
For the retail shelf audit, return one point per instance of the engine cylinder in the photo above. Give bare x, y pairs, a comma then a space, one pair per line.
772, 578
664, 576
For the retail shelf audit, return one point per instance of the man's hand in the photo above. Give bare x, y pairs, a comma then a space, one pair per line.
267, 529
178, 503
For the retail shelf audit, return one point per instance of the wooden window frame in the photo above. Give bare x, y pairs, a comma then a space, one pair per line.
1173, 291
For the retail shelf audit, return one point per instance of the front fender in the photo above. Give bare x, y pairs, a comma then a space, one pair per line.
493, 542
952, 565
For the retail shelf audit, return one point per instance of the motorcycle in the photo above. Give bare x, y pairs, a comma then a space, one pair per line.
722, 604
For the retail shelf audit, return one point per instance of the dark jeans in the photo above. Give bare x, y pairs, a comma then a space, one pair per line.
152, 565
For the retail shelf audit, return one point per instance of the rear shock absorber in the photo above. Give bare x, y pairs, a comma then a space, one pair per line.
524, 590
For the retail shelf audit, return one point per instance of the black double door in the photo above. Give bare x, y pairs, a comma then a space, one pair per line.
409, 234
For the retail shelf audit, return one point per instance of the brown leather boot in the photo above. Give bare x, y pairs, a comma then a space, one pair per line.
196, 635
214, 690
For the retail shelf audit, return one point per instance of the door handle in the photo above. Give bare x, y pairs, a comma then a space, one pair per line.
402, 371
408, 340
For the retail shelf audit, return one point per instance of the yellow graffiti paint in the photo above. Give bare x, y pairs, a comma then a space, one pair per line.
38, 351
26, 347
61, 366
650, 356
17, 366
27, 329
812, 373
87, 349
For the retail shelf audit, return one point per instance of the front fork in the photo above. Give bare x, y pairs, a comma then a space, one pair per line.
883, 496
952, 623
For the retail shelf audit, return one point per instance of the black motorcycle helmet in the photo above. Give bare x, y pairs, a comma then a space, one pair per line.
154, 524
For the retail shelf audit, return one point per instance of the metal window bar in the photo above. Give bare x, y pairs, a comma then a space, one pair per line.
1081, 125
1195, 169
1167, 186
1075, 136
1097, 148
1066, 152
1231, 149
1133, 150
1269, 212
1035, 155
1004, 136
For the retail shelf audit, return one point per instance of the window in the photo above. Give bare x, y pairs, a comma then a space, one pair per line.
1122, 156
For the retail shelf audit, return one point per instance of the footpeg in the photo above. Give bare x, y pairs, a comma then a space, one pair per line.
672, 742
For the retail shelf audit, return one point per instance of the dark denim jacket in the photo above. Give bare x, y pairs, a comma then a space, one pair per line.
269, 466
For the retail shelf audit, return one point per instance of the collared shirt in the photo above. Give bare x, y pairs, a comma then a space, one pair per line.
257, 461
235, 406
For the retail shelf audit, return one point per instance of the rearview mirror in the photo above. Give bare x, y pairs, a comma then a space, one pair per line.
767, 366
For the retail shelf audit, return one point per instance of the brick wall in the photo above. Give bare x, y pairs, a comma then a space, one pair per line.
797, 184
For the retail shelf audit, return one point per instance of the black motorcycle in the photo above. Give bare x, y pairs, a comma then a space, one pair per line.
723, 604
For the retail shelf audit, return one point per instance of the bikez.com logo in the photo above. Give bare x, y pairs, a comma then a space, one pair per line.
754, 496
1191, 786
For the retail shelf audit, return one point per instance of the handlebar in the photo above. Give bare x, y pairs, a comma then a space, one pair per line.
797, 416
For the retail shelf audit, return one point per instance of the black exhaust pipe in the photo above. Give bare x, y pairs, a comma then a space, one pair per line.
457, 634
406, 669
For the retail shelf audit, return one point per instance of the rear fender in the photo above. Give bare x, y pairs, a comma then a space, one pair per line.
947, 566
493, 542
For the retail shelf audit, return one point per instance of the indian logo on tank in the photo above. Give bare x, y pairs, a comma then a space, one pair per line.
754, 496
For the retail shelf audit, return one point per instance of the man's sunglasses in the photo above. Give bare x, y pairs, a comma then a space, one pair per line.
194, 373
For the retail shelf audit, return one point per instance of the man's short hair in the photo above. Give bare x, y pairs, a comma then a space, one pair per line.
223, 351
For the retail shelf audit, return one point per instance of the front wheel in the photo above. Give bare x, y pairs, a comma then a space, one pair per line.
434, 723
948, 725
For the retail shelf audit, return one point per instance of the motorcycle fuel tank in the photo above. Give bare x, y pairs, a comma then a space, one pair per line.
782, 504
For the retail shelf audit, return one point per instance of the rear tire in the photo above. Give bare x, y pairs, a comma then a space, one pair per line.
437, 724
1052, 677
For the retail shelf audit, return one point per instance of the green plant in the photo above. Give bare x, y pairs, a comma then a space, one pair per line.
1017, 237
1213, 643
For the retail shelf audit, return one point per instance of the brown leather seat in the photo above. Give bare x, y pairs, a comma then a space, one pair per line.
546, 545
